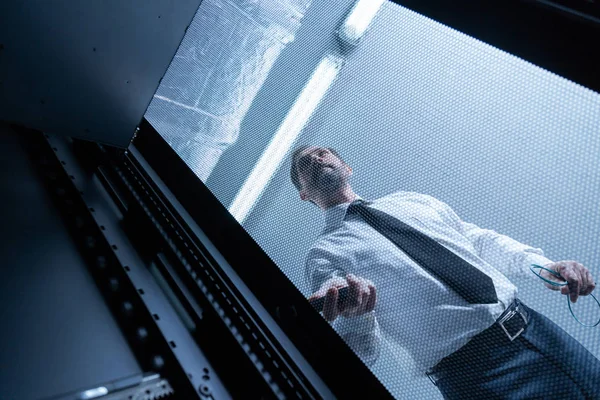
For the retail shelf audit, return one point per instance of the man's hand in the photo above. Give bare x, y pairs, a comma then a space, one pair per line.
579, 279
361, 298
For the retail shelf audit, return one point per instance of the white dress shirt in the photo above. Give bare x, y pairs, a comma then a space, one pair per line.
414, 308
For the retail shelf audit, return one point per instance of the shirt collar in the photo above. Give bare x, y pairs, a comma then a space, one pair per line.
336, 214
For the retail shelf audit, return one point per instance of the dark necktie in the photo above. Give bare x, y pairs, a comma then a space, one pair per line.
462, 277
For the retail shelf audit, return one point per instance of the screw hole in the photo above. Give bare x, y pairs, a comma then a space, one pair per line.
141, 291
114, 246
127, 307
127, 268
102, 227
172, 343
101, 262
204, 390
156, 317
90, 242
92, 210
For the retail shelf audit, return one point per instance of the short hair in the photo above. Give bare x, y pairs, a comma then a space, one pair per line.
296, 154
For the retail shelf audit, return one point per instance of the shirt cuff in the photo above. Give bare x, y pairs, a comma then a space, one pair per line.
538, 260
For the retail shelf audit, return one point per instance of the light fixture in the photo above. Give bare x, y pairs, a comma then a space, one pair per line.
295, 120
358, 20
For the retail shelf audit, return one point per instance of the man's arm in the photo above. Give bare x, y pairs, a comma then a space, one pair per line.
514, 258
502, 252
354, 319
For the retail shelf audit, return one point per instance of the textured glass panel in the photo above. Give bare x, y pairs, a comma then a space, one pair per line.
437, 117
221, 64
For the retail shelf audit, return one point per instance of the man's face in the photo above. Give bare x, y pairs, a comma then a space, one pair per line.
321, 173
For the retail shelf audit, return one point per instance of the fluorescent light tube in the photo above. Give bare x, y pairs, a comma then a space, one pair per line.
284, 138
359, 19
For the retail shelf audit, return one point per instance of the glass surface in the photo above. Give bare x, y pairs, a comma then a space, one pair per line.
415, 107
216, 73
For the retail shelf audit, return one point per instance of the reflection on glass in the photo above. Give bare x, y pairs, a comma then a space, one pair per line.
472, 165
292, 125
219, 67
355, 25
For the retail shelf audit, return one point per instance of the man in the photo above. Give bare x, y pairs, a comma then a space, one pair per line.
437, 286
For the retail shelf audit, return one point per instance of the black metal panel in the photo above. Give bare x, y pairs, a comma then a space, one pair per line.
190, 274
58, 335
154, 332
306, 329
221, 324
86, 68
561, 36
245, 357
